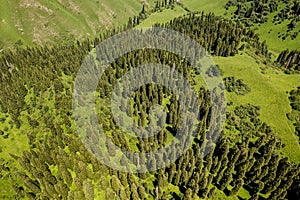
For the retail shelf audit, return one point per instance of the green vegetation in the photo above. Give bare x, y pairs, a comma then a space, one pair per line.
276, 22
237, 86
289, 61
275, 26
294, 116
43, 157
271, 33
163, 16
37, 22
207, 6
270, 86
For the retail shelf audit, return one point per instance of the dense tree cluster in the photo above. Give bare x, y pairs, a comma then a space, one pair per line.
251, 163
36, 91
236, 86
289, 61
218, 36
164, 4
145, 12
244, 119
294, 116
252, 11
247, 117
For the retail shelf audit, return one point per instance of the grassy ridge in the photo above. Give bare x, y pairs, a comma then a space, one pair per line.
206, 5
162, 17
37, 22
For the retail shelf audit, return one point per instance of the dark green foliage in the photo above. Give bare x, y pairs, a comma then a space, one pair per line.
238, 184
245, 119
58, 165
226, 38
290, 12
294, 116
213, 71
253, 12
289, 61
294, 189
237, 86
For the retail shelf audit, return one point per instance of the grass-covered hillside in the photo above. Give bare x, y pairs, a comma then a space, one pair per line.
31, 22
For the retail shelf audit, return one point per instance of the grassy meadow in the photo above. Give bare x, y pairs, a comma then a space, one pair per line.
39, 22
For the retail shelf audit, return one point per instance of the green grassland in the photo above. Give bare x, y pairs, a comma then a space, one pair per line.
269, 32
206, 5
268, 90
40, 22
163, 16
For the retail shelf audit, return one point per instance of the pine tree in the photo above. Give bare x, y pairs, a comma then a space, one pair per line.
188, 194
238, 184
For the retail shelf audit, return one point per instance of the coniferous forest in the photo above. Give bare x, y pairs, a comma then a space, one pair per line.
50, 161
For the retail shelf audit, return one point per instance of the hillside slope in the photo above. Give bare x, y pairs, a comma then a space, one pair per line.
38, 21
271, 25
